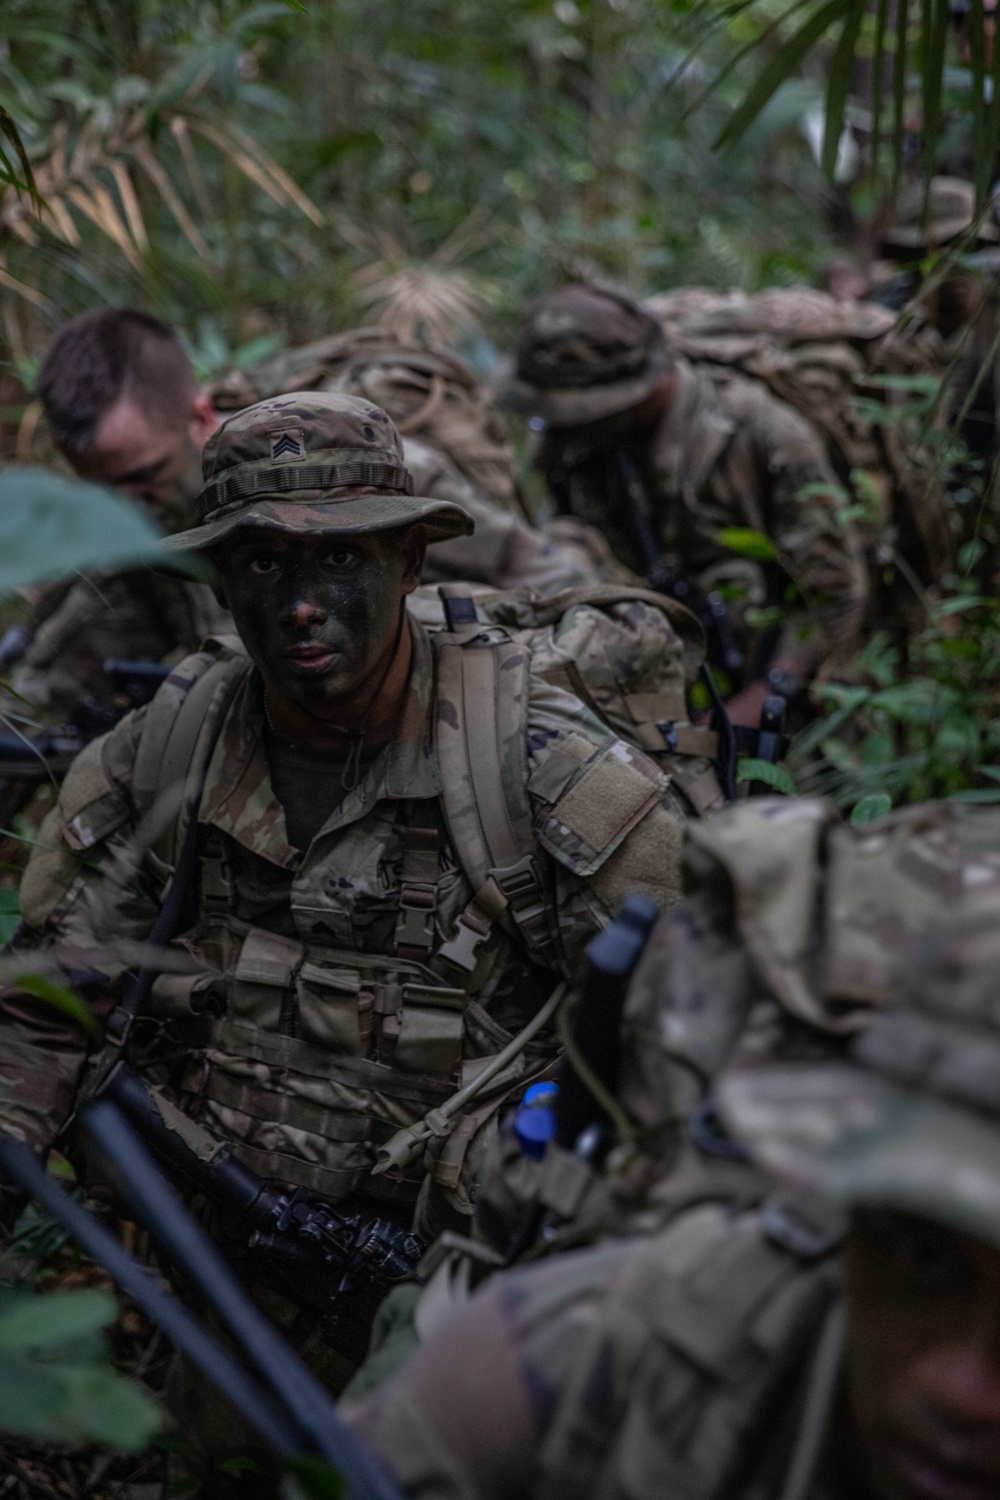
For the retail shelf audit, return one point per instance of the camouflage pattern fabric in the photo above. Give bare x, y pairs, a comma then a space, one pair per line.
732, 457
455, 446
794, 931
340, 457
145, 616
334, 1037
835, 363
708, 458
679, 1356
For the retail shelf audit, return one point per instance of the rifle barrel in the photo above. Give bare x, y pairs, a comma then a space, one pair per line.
182, 1237
255, 1405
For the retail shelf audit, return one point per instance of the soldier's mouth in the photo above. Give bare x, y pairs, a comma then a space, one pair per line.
311, 657
931, 1477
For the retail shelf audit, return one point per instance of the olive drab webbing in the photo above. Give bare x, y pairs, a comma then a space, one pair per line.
428, 392
289, 1063
831, 361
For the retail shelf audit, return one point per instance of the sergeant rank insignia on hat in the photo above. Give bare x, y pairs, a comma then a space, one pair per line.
288, 444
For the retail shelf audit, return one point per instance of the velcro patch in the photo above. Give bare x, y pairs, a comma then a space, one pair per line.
606, 797
590, 820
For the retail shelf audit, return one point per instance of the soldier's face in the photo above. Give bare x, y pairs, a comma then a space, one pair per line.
923, 1358
319, 615
154, 460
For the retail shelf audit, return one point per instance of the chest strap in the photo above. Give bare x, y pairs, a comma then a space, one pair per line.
415, 935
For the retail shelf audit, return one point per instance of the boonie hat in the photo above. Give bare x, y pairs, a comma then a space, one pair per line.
910, 1119
583, 353
951, 211
311, 461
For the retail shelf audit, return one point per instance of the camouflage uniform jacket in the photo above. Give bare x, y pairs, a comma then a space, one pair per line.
130, 616
726, 454
345, 1021
677, 1363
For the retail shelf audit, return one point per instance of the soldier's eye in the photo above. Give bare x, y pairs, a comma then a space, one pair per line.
263, 566
341, 558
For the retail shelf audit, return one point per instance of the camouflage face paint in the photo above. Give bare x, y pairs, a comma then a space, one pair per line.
317, 613
923, 1357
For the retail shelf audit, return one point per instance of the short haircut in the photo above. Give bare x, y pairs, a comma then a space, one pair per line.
103, 355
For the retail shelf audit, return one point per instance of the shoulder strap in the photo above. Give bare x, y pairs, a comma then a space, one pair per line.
177, 736
481, 729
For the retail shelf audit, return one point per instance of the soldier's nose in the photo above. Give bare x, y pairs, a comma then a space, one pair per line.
304, 612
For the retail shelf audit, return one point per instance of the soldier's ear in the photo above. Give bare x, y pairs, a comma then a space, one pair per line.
414, 552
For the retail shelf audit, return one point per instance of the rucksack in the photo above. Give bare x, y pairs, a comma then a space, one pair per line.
849, 368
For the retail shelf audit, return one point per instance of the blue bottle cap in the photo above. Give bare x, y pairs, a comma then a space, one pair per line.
534, 1128
541, 1093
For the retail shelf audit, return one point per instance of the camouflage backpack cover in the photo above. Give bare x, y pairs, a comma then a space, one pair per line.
849, 368
429, 393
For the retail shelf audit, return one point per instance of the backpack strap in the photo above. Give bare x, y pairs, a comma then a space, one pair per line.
481, 729
178, 736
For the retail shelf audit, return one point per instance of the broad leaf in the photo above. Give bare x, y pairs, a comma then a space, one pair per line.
60, 1318
52, 527
875, 805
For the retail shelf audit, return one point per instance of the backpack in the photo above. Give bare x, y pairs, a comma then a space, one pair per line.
428, 392
847, 367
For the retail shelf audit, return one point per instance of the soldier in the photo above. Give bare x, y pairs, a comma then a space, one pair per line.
644, 446
762, 1342
455, 447
124, 409
402, 840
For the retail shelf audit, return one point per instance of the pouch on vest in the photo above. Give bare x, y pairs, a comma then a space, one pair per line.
430, 1032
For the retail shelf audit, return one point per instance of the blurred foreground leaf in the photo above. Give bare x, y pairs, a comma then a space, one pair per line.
52, 527
55, 1379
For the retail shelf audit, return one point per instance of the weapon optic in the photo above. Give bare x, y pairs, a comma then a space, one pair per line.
341, 1264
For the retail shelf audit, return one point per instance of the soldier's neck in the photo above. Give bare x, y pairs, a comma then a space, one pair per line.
374, 706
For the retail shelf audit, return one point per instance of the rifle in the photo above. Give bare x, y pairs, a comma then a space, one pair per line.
284, 1403
341, 1265
26, 762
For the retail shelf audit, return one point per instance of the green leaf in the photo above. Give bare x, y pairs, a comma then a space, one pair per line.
767, 772
101, 1406
52, 527
934, 40
61, 998
303, 10
875, 805
36, 1323
313, 1478
10, 914
977, 794
748, 543
781, 66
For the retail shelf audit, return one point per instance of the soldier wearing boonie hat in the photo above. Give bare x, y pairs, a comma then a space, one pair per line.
404, 837
809, 1304
664, 456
